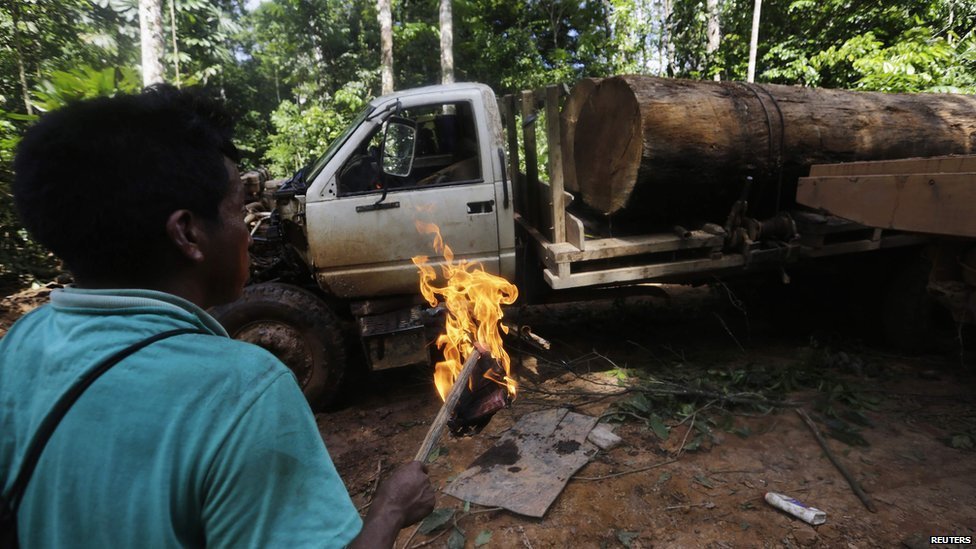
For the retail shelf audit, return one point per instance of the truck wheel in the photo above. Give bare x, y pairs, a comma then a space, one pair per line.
297, 327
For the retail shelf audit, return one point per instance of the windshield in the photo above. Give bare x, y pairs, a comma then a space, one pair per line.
317, 166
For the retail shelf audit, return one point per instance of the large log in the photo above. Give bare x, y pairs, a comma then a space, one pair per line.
663, 151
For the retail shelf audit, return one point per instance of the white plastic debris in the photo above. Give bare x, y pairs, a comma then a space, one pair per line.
810, 515
603, 437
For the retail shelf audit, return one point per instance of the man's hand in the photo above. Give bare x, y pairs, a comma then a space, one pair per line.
405, 498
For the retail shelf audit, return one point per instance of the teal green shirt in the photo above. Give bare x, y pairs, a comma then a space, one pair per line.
195, 440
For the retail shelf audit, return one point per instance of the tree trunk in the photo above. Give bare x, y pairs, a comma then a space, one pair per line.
447, 43
21, 71
151, 39
713, 33
176, 47
754, 42
667, 151
385, 17
667, 47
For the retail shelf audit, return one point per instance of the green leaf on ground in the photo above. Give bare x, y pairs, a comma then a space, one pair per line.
483, 538
658, 426
848, 436
695, 443
435, 520
961, 441
703, 480
626, 538
639, 403
663, 478
456, 541
434, 454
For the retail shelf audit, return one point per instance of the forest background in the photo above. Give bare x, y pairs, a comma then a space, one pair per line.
294, 72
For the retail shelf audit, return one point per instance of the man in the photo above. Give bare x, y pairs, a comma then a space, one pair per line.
193, 440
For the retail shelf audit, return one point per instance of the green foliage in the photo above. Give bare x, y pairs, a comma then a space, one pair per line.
84, 82
708, 397
21, 260
484, 537
897, 46
302, 134
514, 46
439, 518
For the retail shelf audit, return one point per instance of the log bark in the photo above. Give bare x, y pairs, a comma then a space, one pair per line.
665, 151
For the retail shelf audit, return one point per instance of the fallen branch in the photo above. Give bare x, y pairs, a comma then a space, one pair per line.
735, 398
376, 483
855, 486
729, 331
687, 432
689, 506
632, 471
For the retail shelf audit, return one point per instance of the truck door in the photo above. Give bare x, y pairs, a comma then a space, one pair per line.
363, 236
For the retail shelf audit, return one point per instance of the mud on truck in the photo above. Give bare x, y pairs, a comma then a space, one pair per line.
642, 180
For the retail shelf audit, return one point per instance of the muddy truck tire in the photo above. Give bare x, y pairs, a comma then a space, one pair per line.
298, 328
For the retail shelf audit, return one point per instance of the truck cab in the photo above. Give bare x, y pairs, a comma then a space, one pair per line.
430, 155
348, 226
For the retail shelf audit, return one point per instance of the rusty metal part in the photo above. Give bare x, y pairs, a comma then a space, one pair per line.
394, 339
481, 399
779, 227
525, 333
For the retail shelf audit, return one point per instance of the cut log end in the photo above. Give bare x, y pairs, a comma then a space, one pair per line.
608, 145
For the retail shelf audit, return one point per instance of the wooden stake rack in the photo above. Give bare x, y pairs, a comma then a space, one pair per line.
574, 259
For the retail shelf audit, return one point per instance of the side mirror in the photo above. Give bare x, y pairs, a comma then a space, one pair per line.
399, 140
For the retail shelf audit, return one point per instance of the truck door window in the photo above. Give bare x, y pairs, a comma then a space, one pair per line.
446, 153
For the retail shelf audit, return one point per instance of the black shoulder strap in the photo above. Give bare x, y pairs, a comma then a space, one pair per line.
53, 418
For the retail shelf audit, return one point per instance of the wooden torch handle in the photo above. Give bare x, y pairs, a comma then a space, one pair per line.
450, 402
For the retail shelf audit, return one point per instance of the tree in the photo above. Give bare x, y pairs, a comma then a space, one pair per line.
714, 33
18, 52
385, 19
151, 33
754, 41
447, 42
513, 46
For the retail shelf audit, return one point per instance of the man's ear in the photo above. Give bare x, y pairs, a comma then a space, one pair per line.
186, 234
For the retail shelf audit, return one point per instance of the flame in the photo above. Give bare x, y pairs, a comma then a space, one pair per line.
473, 298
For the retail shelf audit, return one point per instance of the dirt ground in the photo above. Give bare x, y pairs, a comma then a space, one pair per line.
650, 492
915, 459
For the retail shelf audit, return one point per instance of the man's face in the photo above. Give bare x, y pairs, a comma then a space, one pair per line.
228, 261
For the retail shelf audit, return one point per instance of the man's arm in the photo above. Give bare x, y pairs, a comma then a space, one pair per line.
405, 498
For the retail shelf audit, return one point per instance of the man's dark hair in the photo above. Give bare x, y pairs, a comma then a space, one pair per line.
95, 181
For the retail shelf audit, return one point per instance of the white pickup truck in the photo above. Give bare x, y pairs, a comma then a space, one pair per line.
332, 260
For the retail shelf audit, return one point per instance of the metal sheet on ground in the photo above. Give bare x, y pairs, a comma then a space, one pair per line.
527, 469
